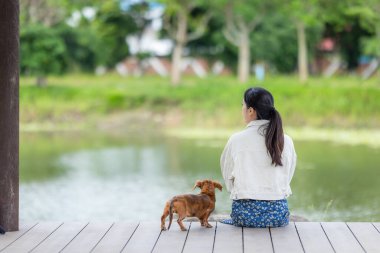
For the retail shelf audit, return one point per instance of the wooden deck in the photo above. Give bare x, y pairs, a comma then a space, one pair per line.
307, 237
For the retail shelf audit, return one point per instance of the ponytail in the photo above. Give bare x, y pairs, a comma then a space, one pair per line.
262, 101
274, 137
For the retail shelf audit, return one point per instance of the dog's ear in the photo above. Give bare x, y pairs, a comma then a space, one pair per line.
217, 185
198, 184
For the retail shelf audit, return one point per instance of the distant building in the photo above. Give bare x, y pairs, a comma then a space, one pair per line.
162, 66
327, 60
368, 66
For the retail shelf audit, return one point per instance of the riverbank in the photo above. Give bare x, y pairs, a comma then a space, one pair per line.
80, 101
368, 137
342, 110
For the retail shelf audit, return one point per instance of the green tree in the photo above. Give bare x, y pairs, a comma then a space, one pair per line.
42, 52
303, 13
213, 45
81, 47
185, 21
354, 23
112, 26
275, 43
42, 12
140, 14
241, 19
369, 18
51, 12
46, 36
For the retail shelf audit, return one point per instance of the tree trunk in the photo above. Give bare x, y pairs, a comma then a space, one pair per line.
180, 42
176, 64
244, 56
378, 41
9, 114
139, 71
41, 81
302, 53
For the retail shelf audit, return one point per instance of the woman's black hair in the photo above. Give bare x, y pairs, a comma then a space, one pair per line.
262, 101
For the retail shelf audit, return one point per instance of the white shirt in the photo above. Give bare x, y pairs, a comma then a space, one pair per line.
247, 167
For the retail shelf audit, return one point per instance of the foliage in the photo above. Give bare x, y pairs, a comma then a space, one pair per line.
354, 23
47, 13
275, 43
112, 26
369, 19
42, 50
81, 48
101, 40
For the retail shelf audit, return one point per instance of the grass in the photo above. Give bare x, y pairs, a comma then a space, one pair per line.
352, 137
81, 100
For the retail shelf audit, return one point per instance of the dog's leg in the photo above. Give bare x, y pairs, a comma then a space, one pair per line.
164, 215
202, 220
208, 225
180, 219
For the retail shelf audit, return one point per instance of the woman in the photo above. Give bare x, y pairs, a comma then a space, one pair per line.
258, 164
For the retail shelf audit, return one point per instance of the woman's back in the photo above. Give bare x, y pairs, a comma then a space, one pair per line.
247, 162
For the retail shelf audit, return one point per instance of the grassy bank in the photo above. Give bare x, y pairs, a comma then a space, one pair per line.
352, 137
79, 101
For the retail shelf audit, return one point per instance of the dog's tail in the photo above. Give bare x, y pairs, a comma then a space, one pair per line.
2, 230
170, 213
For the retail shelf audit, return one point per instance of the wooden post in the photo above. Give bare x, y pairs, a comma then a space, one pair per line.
9, 114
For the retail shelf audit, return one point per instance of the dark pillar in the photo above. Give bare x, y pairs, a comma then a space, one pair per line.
9, 113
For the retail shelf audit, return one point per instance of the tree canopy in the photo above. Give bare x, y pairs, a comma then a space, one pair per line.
80, 35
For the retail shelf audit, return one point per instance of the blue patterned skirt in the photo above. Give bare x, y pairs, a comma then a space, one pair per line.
259, 213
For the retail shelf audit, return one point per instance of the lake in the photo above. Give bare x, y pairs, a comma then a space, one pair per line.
129, 176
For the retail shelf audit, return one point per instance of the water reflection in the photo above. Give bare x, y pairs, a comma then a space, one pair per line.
129, 177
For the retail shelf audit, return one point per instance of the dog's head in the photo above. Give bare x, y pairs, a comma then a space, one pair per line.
207, 185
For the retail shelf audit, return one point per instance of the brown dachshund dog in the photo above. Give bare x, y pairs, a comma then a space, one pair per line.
200, 205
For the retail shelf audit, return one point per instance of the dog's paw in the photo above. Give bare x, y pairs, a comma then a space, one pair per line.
184, 229
163, 228
208, 226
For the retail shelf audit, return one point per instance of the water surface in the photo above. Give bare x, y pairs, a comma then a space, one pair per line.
112, 177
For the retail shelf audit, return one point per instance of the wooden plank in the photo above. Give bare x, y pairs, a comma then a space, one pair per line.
35, 236
61, 237
173, 240
200, 239
144, 238
313, 237
10, 237
377, 225
341, 238
228, 238
86, 240
366, 234
285, 239
257, 240
116, 238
